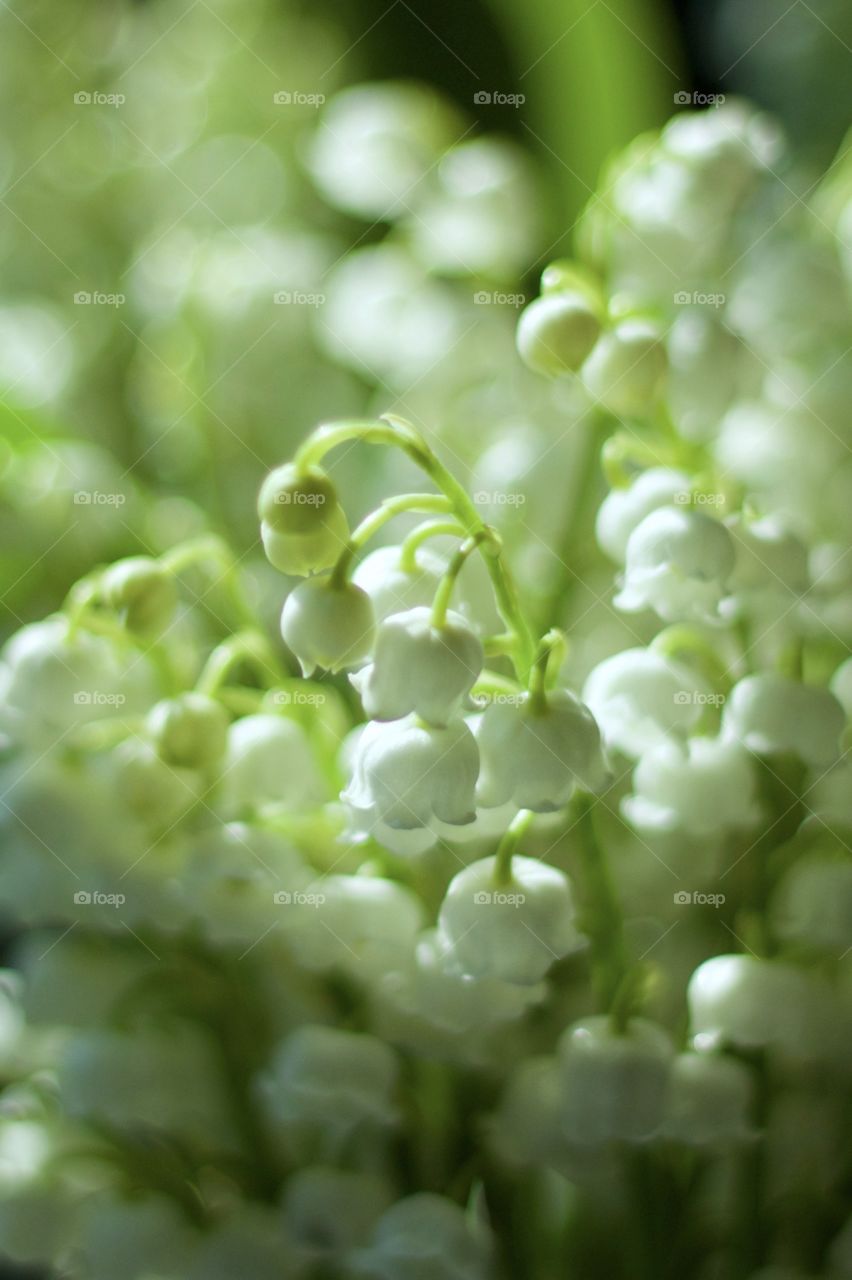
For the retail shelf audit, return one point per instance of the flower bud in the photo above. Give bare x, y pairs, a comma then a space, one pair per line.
615, 1085
626, 368
640, 698
678, 562
190, 731
512, 930
702, 786
426, 1235
332, 1081
303, 526
420, 667
142, 591
623, 509
769, 713
408, 774
709, 1101
56, 678
537, 757
557, 332
328, 625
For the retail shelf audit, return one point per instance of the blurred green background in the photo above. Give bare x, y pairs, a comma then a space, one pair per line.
158, 198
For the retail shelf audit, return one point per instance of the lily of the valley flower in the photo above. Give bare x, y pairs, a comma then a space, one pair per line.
420, 667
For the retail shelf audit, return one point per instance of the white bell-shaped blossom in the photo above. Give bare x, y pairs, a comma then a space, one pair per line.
236, 878
526, 1128
392, 587
626, 368
770, 573
640, 698
147, 1235
426, 1235
269, 760
812, 906
710, 1100
512, 930
332, 1080
535, 756
769, 713
427, 1000
329, 1212
56, 678
137, 1080
557, 332
699, 787
623, 509
754, 1003
157, 792
38, 1223
246, 1241
615, 1083
407, 775
357, 922
328, 625
678, 563
419, 667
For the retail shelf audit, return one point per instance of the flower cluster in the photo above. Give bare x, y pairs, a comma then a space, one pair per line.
371, 949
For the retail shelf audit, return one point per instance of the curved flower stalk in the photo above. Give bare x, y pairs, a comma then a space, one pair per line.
504, 981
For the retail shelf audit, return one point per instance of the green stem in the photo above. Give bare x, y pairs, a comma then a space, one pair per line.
507, 846
212, 550
245, 646
549, 644
423, 532
445, 587
401, 435
371, 524
610, 961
